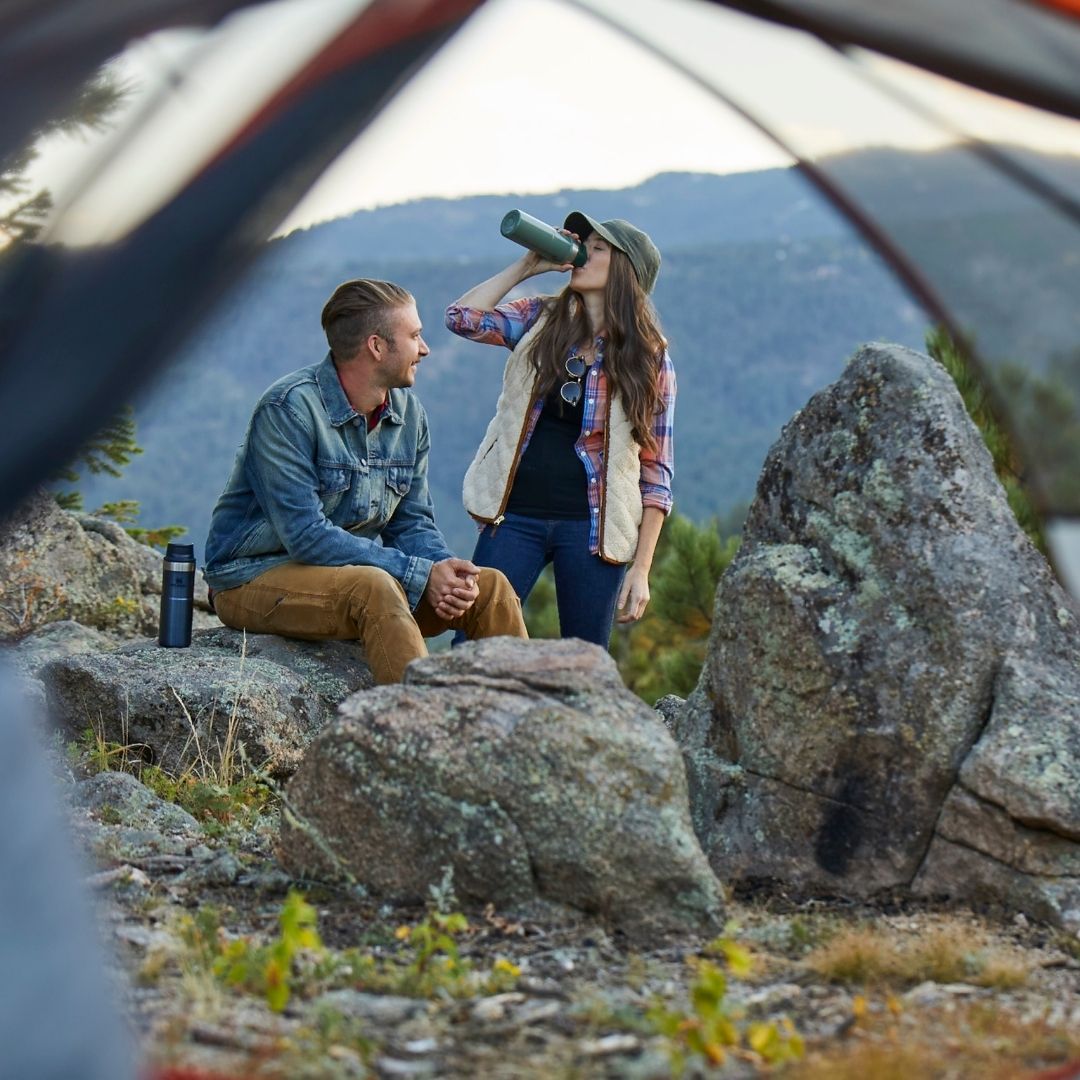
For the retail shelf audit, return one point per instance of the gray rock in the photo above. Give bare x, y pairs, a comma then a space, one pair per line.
380, 1009
670, 708
883, 610
112, 844
182, 708
958, 870
525, 767
221, 868
966, 819
57, 565
1028, 758
333, 669
56, 639
133, 804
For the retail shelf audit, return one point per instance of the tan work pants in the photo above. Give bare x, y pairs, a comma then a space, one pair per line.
365, 603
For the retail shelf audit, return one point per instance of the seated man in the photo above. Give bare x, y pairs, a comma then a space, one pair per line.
325, 528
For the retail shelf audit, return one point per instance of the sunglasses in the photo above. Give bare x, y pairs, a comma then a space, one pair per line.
571, 391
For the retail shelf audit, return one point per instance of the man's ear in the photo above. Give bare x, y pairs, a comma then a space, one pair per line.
375, 346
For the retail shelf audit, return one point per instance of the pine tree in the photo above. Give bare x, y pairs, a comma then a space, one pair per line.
541, 611
663, 653
954, 358
27, 209
109, 451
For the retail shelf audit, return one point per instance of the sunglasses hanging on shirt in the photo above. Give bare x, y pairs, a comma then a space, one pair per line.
571, 390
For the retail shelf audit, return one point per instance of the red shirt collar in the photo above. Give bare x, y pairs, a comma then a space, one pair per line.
378, 413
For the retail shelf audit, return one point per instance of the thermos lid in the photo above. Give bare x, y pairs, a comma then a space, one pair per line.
510, 222
180, 553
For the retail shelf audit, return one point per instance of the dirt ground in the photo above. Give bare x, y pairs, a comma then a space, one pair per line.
887, 990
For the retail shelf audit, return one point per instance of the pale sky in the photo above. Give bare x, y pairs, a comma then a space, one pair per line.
532, 96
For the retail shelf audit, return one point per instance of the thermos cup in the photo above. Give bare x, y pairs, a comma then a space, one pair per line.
542, 238
177, 596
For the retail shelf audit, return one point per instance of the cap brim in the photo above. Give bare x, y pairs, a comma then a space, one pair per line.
582, 225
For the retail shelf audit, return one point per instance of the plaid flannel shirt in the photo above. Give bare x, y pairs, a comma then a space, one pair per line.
507, 325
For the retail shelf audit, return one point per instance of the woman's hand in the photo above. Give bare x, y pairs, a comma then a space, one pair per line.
532, 264
634, 595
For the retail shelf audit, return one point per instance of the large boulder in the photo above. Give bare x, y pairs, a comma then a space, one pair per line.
185, 708
527, 769
886, 643
58, 565
1010, 828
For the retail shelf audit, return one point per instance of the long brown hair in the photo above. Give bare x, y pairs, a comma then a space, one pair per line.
632, 351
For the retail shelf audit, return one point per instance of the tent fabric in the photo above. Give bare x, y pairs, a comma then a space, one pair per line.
92, 324
983, 235
49, 48
1008, 47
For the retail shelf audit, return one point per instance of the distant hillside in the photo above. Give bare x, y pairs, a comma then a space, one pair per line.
764, 293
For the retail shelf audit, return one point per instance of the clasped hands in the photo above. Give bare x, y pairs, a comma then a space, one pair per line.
452, 587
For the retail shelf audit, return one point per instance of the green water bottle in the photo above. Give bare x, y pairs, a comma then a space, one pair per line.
542, 238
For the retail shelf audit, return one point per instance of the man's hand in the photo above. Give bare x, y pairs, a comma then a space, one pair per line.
452, 587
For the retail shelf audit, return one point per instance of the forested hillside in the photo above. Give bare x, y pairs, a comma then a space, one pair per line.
764, 292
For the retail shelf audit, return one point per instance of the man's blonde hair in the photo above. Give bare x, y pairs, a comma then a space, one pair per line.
357, 310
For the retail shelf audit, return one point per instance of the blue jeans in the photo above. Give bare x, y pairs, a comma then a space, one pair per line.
586, 587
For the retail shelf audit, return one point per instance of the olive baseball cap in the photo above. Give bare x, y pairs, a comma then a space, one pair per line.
632, 242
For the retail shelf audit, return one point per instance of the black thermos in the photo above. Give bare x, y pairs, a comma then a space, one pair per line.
177, 596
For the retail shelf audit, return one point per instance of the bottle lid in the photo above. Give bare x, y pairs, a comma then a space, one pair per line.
180, 553
510, 222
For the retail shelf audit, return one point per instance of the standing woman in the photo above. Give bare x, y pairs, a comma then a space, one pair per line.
575, 468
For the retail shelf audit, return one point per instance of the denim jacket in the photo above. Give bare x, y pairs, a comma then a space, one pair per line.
312, 485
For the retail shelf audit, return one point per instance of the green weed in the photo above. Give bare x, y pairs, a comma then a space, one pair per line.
269, 970
426, 964
711, 1029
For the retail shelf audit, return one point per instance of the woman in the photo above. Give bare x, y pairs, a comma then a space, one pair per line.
576, 466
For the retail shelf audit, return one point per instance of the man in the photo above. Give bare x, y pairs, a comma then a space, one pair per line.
325, 528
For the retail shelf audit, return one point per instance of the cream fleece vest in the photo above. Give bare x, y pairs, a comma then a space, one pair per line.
487, 481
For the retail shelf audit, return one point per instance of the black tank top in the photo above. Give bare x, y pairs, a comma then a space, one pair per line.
551, 481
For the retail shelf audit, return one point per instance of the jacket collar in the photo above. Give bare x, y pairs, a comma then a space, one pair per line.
337, 404
334, 400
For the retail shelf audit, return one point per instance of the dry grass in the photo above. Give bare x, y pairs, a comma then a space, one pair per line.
869, 956
974, 1041
228, 765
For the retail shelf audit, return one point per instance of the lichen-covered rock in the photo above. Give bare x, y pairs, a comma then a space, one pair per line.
183, 707
54, 640
334, 669
527, 769
59, 565
128, 802
1027, 761
1011, 826
882, 611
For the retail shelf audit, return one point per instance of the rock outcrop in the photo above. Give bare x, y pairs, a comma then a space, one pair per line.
892, 689
183, 707
527, 769
58, 565
54, 641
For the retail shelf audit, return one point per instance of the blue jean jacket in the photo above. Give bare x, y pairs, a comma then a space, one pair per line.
311, 485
